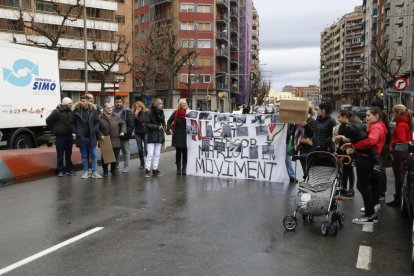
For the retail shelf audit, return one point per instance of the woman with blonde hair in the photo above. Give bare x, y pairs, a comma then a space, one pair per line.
141, 132
403, 133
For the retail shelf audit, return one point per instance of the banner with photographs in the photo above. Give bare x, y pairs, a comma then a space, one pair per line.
246, 146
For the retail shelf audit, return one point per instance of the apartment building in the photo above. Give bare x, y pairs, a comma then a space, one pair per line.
217, 32
255, 43
310, 92
342, 76
103, 20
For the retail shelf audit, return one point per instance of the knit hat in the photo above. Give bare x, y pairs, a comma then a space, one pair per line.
66, 101
157, 102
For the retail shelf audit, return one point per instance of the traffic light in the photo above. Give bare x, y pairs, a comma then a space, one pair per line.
323, 66
380, 91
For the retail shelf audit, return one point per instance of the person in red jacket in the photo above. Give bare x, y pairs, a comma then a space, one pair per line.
403, 133
364, 163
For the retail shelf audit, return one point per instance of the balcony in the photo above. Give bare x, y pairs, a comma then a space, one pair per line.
222, 53
234, 14
222, 86
222, 3
222, 36
222, 19
161, 2
24, 4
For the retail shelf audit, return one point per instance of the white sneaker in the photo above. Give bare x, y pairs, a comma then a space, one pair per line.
377, 208
96, 175
85, 175
125, 170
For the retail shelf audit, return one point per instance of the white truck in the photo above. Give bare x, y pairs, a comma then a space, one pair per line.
29, 92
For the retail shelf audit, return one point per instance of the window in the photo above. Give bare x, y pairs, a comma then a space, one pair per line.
204, 8
120, 78
204, 43
203, 26
205, 78
187, 43
120, 38
204, 61
187, 26
44, 6
120, 19
184, 78
187, 8
120, 1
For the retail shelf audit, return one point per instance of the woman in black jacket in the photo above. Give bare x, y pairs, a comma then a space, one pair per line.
322, 136
177, 126
155, 123
140, 130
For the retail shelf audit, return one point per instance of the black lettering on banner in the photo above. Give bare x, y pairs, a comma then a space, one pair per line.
209, 164
228, 168
200, 165
250, 167
240, 169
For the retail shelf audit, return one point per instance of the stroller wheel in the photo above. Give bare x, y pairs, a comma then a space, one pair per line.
324, 228
341, 219
289, 222
333, 229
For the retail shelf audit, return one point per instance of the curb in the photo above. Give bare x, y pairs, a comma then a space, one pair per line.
18, 166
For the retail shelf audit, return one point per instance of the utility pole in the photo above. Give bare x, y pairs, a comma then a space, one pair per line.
85, 46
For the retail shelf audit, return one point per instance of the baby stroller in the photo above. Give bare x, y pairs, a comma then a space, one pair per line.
316, 195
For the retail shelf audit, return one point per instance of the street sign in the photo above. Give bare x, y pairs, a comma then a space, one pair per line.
400, 83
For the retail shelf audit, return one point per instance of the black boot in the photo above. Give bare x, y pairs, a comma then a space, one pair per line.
178, 170
184, 170
396, 202
141, 160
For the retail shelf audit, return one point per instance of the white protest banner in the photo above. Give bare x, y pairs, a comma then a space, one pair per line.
244, 146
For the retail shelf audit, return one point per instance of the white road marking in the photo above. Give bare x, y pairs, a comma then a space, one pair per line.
48, 251
364, 257
368, 228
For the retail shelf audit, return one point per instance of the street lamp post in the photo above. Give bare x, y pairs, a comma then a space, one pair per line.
85, 46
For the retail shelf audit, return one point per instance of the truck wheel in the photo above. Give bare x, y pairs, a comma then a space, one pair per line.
22, 141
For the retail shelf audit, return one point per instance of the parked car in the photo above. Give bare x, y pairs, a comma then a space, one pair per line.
407, 192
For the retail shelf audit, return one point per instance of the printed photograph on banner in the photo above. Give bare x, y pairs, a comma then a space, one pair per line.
261, 130
205, 116
205, 145
222, 117
254, 152
242, 131
258, 119
192, 114
274, 118
209, 131
219, 145
192, 130
241, 118
226, 131
268, 149
234, 147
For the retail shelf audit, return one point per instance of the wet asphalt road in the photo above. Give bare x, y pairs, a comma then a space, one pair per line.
176, 225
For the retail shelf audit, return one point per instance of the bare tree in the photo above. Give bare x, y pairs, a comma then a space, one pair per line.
52, 32
260, 89
103, 62
173, 56
192, 66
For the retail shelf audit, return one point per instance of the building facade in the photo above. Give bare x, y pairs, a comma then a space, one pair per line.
103, 21
219, 32
342, 75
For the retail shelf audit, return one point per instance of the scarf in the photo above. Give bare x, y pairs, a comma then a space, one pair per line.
180, 112
159, 115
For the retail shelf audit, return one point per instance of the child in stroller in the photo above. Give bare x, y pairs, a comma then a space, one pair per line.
315, 196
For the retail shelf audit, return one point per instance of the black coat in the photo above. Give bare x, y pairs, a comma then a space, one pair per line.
139, 123
78, 124
179, 138
153, 122
59, 121
322, 136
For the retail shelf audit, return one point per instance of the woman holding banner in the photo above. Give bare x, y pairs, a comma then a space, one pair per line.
177, 126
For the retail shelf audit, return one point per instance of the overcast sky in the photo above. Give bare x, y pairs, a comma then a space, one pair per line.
290, 34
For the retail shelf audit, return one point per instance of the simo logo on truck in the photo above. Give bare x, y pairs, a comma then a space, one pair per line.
23, 73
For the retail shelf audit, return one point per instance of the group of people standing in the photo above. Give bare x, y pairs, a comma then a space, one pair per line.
371, 145
118, 124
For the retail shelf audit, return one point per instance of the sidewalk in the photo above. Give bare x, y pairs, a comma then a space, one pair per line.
17, 166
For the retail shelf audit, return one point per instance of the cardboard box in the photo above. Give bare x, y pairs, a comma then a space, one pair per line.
293, 111
106, 150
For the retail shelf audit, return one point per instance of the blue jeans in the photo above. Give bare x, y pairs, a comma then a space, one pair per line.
86, 148
141, 139
289, 167
64, 152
